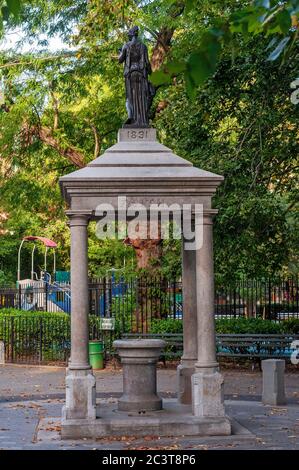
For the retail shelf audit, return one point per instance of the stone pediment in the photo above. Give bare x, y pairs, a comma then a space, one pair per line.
139, 166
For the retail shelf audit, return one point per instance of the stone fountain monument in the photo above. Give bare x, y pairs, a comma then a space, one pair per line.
144, 171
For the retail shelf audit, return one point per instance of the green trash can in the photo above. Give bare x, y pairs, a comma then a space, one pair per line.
96, 354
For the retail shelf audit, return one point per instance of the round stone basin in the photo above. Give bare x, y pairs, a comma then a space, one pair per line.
139, 360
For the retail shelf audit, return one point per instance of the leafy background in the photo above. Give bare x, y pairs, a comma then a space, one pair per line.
222, 72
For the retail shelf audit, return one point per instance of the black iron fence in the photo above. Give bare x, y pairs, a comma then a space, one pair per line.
136, 301
272, 299
34, 339
35, 336
46, 339
43, 339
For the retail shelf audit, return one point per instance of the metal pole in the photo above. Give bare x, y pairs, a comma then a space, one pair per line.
19, 261
54, 266
32, 262
45, 268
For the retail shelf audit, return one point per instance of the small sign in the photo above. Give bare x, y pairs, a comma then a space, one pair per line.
107, 323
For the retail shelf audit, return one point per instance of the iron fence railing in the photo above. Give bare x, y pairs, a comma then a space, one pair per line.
273, 299
137, 300
43, 339
46, 339
34, 339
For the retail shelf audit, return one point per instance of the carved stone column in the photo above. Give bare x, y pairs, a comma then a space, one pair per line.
187, 365
80, 382
207, 382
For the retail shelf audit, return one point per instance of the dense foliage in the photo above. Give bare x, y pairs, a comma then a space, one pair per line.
45, 337
61, 109
233, 326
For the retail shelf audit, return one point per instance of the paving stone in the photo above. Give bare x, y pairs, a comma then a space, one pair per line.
272, 431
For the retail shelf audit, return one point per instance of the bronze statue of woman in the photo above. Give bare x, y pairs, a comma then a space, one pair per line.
139, 91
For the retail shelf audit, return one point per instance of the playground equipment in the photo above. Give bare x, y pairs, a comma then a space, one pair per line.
44, 292
111, 290
51, 292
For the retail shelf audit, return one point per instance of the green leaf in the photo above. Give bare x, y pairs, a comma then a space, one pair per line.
200, 67
160, 78
202, 63
239, 23
14, 7
4, 13
247, 20
175, 67
284, 20
279, 49
190, 85
189, 5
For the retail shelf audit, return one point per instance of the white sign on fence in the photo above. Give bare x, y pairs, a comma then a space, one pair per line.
107, 323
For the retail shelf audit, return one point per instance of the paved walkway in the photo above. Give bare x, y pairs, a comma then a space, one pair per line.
31, 399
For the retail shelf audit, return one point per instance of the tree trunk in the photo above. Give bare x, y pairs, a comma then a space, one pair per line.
161, 47
148, 255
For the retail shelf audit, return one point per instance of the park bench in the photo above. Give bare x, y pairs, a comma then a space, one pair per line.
250, 346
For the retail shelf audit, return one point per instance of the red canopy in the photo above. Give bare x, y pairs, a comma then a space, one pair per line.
46, 241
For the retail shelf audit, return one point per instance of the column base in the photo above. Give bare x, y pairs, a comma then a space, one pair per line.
140, 403
207, 394
80, 402
184, 386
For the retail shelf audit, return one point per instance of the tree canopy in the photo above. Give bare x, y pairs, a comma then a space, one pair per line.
223, 73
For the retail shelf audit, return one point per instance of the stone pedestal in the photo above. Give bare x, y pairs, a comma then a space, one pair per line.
184, 386
207, 395
273, 382
80, 395
139, 359
174, 420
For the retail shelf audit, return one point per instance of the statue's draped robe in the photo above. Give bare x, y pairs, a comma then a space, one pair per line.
137, 67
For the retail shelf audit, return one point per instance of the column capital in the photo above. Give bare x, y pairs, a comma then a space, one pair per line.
206, 215
209, 215
78, 218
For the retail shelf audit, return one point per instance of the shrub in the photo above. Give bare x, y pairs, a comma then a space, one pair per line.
168, 325
24, 313
290, 326
41, 335
122, 309
46, 336
247, 325
232, 326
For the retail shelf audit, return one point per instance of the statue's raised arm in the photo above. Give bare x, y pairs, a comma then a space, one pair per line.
139, 91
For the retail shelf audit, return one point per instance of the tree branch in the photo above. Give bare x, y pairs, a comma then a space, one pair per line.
37, 59
71, 153
97, 143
